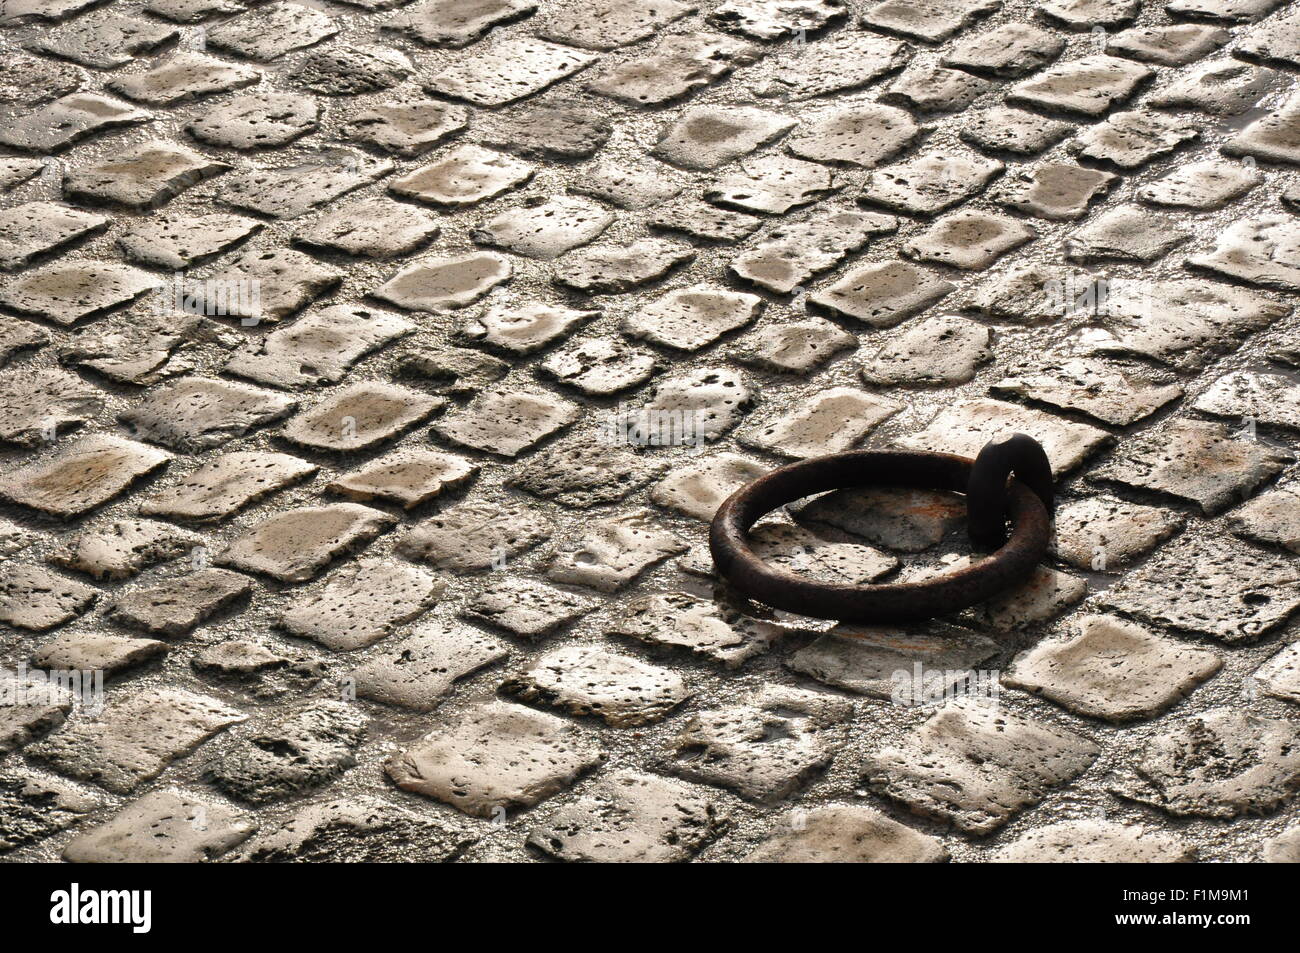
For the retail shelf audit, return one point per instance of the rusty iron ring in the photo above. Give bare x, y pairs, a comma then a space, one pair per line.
1028, 511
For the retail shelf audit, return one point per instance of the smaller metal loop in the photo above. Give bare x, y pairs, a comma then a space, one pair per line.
986, 492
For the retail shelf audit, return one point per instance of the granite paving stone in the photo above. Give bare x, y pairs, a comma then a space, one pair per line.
476, 534
420, 671
845, 834
295, 545
360, 604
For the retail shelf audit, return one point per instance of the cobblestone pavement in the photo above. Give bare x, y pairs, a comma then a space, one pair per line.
362, 552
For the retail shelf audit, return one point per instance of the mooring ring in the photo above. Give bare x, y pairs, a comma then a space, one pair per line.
1028, 510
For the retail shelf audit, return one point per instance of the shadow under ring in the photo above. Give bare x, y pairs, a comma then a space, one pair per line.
740, 566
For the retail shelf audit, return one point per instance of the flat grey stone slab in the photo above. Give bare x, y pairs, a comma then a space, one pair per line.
614, 551
689, 319
1108, 394
257, 120
177, 606
58, 124
527, 608
406, 126
1220, 88
360, 604
863, 135
175, 240
71, 291
1087, 87
831, 420
226, 484
698, 489
439, 283
408, 477
845, 834
199, 413
930, 183
584, 680
679, 65
163, 827
507, 422
476, 534
938, 351
928, 20
881, 295
124, 548
359, 416
420, 671
545, 228
295, 545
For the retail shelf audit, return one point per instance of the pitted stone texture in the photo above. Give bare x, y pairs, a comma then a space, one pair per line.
807, 553
1280, 675
765, 749
33, 705
36, 404
1269, 399
930, 20
226, 484
1194, 460
496, 757
28, 81
776, 19
163, 827
615, 269
295, 752
271, 32
124, 548
142, 177
863, 135
317, 349
1272, 518
524, 329
600, 366
794, 347
68, 292
295, 545
1129, 140
135, 738
1261, 251
976, 766
104, 41
91, 652
680, 65
257, 121
15, 172
180, 604
772, 185
689, 319
1169, 45
892, 664
406, 127
792, 255
361, 604
33, 598
584, 680
692, 408
80, 477
1094, 842
563, 130
970, 240
881, 294
614, 552
1003, 129
706, 137
359, 416
832, 421
846, 834
1221, 763
1201, 185
1088, 87
23, 11
464, 176
581, 475
1032, 294
1088, 14
137, 348
194, 11
438, 283
279, 283
297, 189
507, 422
683, 622
1273, 42
1113, 670
253, 668
1238, 594
1221, 88
1284, 848
508, 70
935, 89
421, 671
407, 477
630, 184
1007, 51
1058, 191
19, 336
454, 22
704, 221
457, 371
474, 535
545, 228
32, 807
1043, 596
1109, 394
1240, 11
198, 413
36, 229
609, 24
964, 428
930, 183
177, 241
698, 489
629, 817
1184, 323
59, 124
845, 61
358, 829
183, 76
350, 70
527, 608
938, 351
